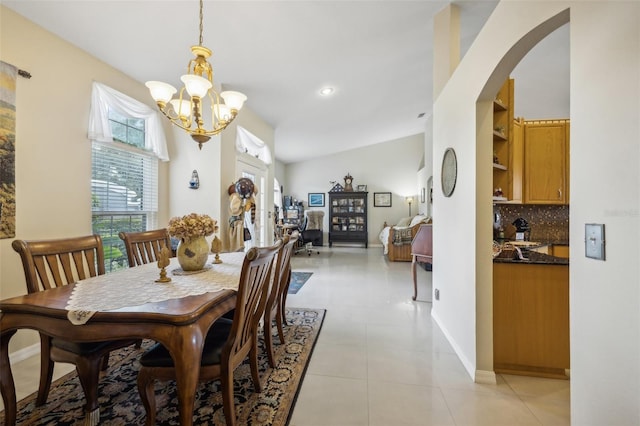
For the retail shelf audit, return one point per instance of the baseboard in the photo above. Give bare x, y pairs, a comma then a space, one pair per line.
485, 377
24, 353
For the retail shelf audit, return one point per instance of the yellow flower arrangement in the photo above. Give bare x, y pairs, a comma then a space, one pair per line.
192, 226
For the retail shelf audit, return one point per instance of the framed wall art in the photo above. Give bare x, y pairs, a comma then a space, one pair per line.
316, 199
381, 199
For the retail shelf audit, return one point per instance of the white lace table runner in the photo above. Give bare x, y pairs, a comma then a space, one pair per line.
137, 286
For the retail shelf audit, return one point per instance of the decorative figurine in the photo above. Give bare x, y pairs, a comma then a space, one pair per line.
194, 183
163, 262
216, 247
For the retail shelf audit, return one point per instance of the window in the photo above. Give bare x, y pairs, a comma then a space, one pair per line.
123, 187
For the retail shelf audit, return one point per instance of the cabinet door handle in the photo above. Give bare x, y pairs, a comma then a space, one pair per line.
559, 194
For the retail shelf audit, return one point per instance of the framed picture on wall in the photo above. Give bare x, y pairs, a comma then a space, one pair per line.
381, 199
316, 199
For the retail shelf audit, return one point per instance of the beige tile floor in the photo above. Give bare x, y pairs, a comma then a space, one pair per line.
381, 360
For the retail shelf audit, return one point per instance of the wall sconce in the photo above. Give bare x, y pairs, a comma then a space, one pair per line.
409, 200
194, 183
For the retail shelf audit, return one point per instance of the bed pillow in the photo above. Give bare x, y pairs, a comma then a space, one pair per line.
405, 221
417, 219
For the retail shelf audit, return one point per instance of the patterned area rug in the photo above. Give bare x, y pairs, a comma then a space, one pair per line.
120, 403
297, 281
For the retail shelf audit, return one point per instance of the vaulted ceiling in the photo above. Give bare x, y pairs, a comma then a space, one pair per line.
377, 55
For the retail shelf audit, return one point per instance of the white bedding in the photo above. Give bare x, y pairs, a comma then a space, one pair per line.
384, 234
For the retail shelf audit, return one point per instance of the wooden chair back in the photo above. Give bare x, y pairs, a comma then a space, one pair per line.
279, 285
54, 263
144, 247
251, 301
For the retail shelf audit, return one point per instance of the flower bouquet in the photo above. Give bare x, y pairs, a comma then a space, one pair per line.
192, 226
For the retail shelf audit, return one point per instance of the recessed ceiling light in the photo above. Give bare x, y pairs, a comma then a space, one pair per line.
326, 91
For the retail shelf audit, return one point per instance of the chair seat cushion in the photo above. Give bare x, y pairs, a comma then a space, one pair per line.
158, 355
85, 348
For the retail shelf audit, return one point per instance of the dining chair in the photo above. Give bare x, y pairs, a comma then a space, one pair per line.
227, 343
144, 247
53, 263
274, 309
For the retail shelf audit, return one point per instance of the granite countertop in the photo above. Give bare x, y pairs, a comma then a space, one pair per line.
531, 257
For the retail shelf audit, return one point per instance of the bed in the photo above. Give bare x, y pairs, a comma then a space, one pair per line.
396, 239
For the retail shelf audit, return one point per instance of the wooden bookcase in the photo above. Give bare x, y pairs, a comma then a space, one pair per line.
348, 218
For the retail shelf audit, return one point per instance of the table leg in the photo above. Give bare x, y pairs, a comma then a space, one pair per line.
187, 353
7, 385
413, 273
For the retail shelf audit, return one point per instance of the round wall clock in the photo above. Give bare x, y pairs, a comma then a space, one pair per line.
449, 172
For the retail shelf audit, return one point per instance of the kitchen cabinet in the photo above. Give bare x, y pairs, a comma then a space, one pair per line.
546, 160
531, 319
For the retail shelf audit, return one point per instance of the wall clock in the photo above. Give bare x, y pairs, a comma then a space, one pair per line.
449, 172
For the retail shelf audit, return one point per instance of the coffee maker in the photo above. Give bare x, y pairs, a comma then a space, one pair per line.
523, 230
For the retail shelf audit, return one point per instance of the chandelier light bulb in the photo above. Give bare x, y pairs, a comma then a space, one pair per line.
160, 92
233, 100
182, 108
196, 86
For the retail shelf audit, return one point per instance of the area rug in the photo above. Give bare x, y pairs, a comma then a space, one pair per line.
297, 281
120, 403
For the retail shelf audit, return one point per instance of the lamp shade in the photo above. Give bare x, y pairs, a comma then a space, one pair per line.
234, 100
182, 108
160, 92
222, 111
196, 86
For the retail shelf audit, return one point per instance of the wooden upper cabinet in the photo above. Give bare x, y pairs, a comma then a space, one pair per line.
546, 150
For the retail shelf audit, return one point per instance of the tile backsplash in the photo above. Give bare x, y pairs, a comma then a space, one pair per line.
548, 223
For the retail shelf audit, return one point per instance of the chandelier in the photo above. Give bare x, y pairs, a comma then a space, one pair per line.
187, 109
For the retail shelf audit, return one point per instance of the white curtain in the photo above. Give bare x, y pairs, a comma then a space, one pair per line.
252, 145
104, 97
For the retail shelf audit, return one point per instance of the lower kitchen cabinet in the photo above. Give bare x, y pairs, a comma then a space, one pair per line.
531, 319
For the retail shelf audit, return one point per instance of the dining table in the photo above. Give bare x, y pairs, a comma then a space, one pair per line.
126, 304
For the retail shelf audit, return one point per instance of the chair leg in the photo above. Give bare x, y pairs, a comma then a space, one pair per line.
46, 370
228, 406
104, 363
147, 395
253, 361
283, 300
268, 338
279, 316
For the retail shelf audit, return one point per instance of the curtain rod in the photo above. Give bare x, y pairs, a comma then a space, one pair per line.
25, 74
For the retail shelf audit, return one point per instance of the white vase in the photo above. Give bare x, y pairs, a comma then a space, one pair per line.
193, 254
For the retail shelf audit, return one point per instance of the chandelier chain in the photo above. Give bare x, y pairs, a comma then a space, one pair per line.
201, 22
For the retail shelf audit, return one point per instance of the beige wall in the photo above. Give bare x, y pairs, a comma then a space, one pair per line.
605, 182
53, 154
385, 167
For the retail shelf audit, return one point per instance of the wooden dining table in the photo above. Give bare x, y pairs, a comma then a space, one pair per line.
180, 324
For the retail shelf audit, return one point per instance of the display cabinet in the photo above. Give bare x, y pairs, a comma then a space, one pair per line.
348, 218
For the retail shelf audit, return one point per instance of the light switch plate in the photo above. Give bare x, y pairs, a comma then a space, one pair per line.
594, 240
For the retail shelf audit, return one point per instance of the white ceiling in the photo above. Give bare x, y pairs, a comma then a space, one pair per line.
376, 54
